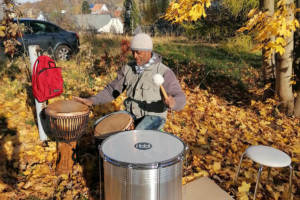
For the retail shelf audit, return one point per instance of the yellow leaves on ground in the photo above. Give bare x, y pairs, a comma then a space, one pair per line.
218, 133
243, 191
296, 148
216, 166
244, 187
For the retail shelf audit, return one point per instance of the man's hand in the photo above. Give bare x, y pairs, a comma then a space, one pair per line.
170, 102
84, 101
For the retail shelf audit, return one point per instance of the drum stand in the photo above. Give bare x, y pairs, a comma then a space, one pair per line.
67, 120
66, 157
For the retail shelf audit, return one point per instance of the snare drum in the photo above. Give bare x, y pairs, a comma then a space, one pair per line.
68, 120
142, 165
113, 123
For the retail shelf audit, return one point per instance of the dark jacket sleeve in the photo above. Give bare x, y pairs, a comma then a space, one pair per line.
111, 91
173, 88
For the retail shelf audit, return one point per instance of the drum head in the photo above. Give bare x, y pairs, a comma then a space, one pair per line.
66, 108
142, 148
113, 123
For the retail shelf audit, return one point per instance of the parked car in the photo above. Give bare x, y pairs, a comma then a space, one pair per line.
50, 37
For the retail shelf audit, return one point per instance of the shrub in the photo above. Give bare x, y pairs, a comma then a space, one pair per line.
237, 44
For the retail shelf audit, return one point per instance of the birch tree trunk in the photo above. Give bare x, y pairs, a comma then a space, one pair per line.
297, 65
268, 63
284, 71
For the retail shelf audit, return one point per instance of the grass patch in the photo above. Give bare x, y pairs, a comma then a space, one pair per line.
213, 67
215, 59
209, 66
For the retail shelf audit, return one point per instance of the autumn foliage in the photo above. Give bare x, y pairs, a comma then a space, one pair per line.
264, 27
216, 130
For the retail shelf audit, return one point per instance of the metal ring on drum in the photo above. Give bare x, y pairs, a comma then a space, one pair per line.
142, 165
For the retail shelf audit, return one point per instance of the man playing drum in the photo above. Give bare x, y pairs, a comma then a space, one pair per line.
144, 99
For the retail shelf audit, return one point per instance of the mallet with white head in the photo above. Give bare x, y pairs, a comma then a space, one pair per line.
159, 80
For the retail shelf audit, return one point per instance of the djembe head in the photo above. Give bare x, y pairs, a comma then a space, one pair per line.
68, 119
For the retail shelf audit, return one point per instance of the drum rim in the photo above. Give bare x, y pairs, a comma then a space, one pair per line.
72, 114
53, 113
155, 165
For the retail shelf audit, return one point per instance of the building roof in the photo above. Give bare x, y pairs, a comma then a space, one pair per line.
97, 6
99, 9
92, 21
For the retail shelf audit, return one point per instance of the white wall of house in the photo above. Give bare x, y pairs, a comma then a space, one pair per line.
114, 26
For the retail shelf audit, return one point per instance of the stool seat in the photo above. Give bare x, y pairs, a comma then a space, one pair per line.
268, 156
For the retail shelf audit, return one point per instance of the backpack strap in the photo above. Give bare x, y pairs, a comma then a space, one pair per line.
34, 69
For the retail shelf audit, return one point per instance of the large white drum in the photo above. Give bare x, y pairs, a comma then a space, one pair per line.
142, 165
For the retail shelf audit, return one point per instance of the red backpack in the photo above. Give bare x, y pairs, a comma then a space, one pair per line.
47, 81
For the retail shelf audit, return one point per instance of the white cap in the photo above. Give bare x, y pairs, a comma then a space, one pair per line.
141, 42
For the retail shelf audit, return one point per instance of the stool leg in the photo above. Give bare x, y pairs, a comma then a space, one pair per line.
290, 181
239, 167
257, 180
269, 172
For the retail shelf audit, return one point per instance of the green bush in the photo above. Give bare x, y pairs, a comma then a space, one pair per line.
237, 44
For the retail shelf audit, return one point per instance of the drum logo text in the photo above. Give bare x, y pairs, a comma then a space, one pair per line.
143, 146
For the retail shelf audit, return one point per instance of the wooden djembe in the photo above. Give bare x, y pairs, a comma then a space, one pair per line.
68, 121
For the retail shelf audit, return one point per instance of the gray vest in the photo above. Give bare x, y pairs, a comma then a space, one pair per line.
143, 95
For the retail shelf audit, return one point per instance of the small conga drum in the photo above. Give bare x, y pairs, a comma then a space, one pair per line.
68, 119
112, 123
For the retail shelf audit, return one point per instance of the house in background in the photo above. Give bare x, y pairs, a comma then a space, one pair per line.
91, 22
114, 26
99, 23
99, 9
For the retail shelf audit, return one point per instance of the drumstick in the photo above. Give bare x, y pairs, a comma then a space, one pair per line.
159, 80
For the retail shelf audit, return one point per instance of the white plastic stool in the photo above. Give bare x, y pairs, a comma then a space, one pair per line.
269, 157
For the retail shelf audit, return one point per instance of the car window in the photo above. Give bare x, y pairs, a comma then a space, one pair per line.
38, 28
51, 28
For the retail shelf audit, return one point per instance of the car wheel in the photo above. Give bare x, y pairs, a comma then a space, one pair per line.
62, 52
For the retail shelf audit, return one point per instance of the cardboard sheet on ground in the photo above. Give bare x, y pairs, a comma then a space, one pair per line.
204, 189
